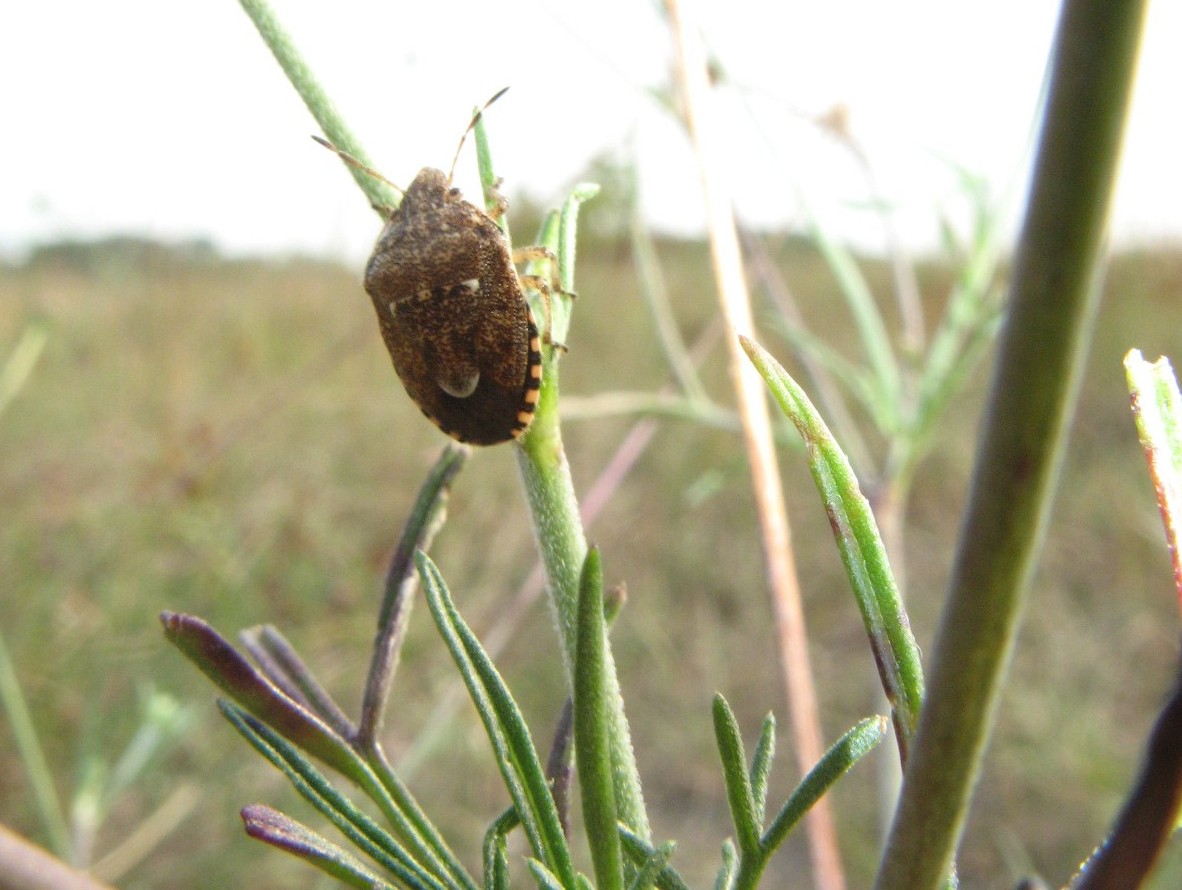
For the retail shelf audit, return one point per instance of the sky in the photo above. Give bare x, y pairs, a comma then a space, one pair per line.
172, 121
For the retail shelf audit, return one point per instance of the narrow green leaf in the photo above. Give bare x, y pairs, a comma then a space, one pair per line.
640, 852
274, 828
567, 229
231, 672
213, 654
488, 177
1157, 411
506, 729
856, 379
280, 663
761, 765
858, 741
655, 292
425, 519
738, 783
546, 879
651, 870
860, 545
361, 831
730, 867
970, 322
592, 753
560, 236
496, 853
410, 821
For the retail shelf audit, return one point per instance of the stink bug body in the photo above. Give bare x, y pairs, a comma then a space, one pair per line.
454, 316
452, 310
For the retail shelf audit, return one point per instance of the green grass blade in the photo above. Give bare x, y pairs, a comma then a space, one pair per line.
489, 181
568, 219
32, 755
738, 783
163, 723
506, 729
592, 751
971, 319
655, 291
860, 545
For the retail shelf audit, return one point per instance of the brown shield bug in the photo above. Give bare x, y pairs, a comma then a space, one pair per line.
452, 310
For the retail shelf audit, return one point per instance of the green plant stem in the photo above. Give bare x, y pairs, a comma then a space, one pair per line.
379, 193
550, 493
1053, 297
554, 509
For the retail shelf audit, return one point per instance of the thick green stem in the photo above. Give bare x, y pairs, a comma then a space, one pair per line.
558, 528
1052, 303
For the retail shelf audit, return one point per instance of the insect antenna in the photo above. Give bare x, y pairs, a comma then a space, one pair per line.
471, 125
353, 162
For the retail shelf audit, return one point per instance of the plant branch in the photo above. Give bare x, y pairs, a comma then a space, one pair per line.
1053, 295
401, 582
331, 123
554, 510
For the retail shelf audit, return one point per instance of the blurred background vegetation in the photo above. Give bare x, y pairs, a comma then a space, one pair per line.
226, 436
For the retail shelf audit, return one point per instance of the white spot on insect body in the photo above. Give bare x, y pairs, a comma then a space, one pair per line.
461, 388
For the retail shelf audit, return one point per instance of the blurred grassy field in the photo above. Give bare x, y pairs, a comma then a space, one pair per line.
228, 438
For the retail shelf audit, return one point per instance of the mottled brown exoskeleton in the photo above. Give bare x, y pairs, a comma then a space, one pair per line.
453, 313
